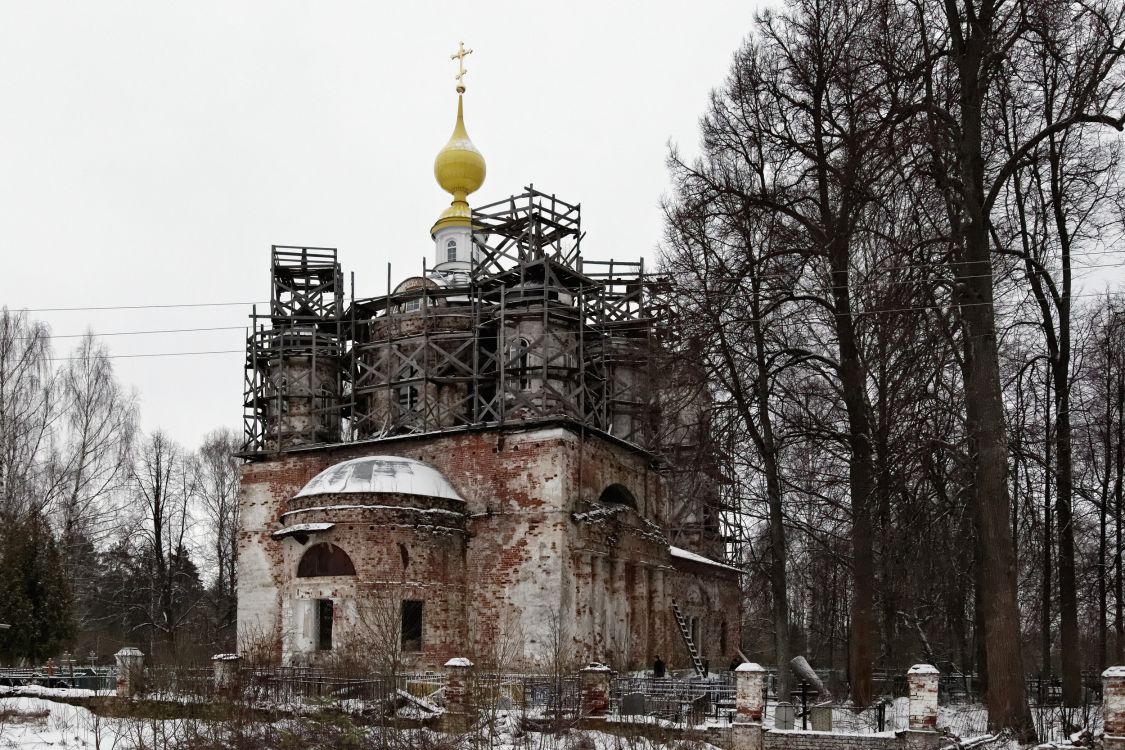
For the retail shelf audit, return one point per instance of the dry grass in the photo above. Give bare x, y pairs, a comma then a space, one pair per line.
16, 716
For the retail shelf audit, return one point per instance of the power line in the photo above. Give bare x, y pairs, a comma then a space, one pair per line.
876, 268
139, 307
857, 313
153, 354
96, 335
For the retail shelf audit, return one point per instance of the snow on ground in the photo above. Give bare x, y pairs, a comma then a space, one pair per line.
31, 723
38, 724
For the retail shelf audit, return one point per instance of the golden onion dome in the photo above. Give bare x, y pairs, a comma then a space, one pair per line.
460, 170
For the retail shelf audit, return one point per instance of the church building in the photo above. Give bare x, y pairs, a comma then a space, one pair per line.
498, 459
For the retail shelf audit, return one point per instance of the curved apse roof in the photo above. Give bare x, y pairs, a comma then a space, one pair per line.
390, 474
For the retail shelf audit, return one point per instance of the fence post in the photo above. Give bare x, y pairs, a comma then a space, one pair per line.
130, 671
1113, 708
749, 706
923, 681
595, 690
458, 697
226, 673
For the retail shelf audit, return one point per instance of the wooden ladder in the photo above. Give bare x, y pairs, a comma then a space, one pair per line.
695, 660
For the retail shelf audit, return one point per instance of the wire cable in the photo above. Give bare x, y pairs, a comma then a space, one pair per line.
153, 354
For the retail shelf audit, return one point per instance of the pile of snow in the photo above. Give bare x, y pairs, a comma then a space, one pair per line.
39, 724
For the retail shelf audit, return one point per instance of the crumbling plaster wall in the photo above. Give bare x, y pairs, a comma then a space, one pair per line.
398, 554
538, 585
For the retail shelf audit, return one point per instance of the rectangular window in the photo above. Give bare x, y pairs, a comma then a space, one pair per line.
411, 625
324, 624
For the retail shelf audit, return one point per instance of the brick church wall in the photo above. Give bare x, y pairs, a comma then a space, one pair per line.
525, 573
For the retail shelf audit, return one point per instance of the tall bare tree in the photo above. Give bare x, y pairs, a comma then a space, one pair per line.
29, 412
218, 495
165, 485
97, 425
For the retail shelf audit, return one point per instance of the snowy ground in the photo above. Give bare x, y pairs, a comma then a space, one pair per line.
41, 724
38, 723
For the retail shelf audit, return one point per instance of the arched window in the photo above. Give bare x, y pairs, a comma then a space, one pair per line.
325, 560
451, 250
618, 494
519, 360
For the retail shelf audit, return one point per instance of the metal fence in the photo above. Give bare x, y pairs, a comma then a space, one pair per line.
690, 701
84, 678
545, 697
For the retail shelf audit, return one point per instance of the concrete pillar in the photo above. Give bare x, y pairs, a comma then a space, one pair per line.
749, 706
226, 673
749, 693
130, 671
595, 690
458, 694
923, 681
1113, 708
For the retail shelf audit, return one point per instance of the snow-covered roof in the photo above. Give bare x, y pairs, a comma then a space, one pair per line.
459, 661
389, 474
302, 528
684, 554
923, 669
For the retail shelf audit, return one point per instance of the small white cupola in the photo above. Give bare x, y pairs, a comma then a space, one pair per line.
453, 249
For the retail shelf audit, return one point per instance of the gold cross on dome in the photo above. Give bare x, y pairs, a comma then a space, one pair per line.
459, 56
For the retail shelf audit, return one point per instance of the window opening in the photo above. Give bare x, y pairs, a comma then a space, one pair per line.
324, 624
408, 392
451, 250
411, 625
520, 360
325, 560
619, 495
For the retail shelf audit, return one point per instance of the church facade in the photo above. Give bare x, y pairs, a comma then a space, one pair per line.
498, 459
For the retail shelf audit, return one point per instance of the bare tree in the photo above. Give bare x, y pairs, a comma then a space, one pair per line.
729, 288
28, 414
218, 494
165, 483
98, 423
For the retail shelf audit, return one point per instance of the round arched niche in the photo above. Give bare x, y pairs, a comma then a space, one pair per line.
618, 494
325, 559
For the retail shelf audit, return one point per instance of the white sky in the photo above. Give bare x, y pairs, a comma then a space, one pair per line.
151, 152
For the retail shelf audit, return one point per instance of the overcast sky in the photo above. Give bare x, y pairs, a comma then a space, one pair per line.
151, 152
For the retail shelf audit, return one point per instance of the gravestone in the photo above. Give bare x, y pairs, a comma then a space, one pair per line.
783, 716
633, 704
820, 718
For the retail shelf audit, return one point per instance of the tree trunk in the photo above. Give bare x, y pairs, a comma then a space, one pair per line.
1046, 589
1068, 597
861, 481
1007, 693
778, 577
1118, 488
